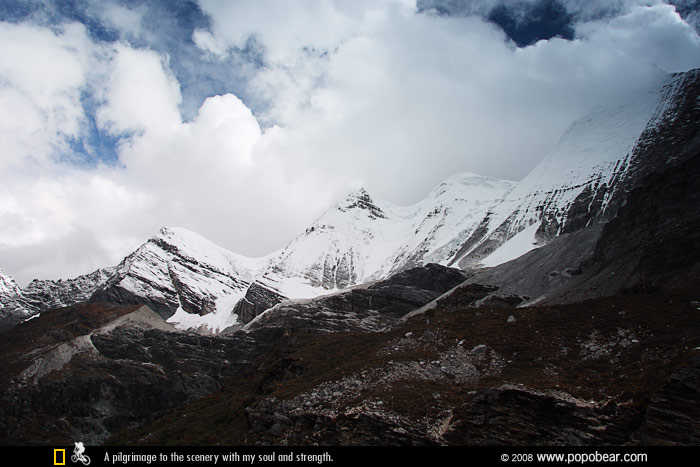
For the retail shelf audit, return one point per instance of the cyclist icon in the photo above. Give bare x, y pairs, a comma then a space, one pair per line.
78, 455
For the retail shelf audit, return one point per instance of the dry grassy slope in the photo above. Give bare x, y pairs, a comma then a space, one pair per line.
83, 371
608, 371
55, 327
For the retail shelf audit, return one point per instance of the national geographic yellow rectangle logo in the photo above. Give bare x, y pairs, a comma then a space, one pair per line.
59, 457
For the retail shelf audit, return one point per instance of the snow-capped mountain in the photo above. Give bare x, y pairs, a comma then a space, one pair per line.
617, 266
184, 277
196, 284
10, 293
40, 295
362, 239
181, 275
8, 289
469, 221
573, 185
50, 294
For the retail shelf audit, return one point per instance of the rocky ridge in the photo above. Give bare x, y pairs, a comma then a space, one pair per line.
179, 271
17, 304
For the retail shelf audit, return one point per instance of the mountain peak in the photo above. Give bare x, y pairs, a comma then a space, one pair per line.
181, 237
167, 232
360, 193
7, 284
361, 199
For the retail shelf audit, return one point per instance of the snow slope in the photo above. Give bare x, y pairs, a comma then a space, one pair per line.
362, 239
572, 184
519, 244
10, 293
182, 272
8, 288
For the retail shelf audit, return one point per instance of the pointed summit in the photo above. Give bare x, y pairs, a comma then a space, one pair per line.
177, 233
360, 199
7, 282
9, 290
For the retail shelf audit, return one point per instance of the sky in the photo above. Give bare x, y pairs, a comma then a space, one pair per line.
244, 120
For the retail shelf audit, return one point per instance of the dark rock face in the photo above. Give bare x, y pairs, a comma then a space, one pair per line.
165, 306
508, 415
258, 298
376, 305
653, 241
431, 277
364, 308
584, 209
673, 414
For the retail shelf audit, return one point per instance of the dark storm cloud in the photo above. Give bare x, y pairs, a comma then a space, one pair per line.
689, 11
525, 22
534, 21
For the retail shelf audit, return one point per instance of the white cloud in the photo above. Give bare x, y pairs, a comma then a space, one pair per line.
207, 42
207, 174
396, 101
140, 93
284, 28
655, 35
63, 225
127, 20
41, 76
359, 93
